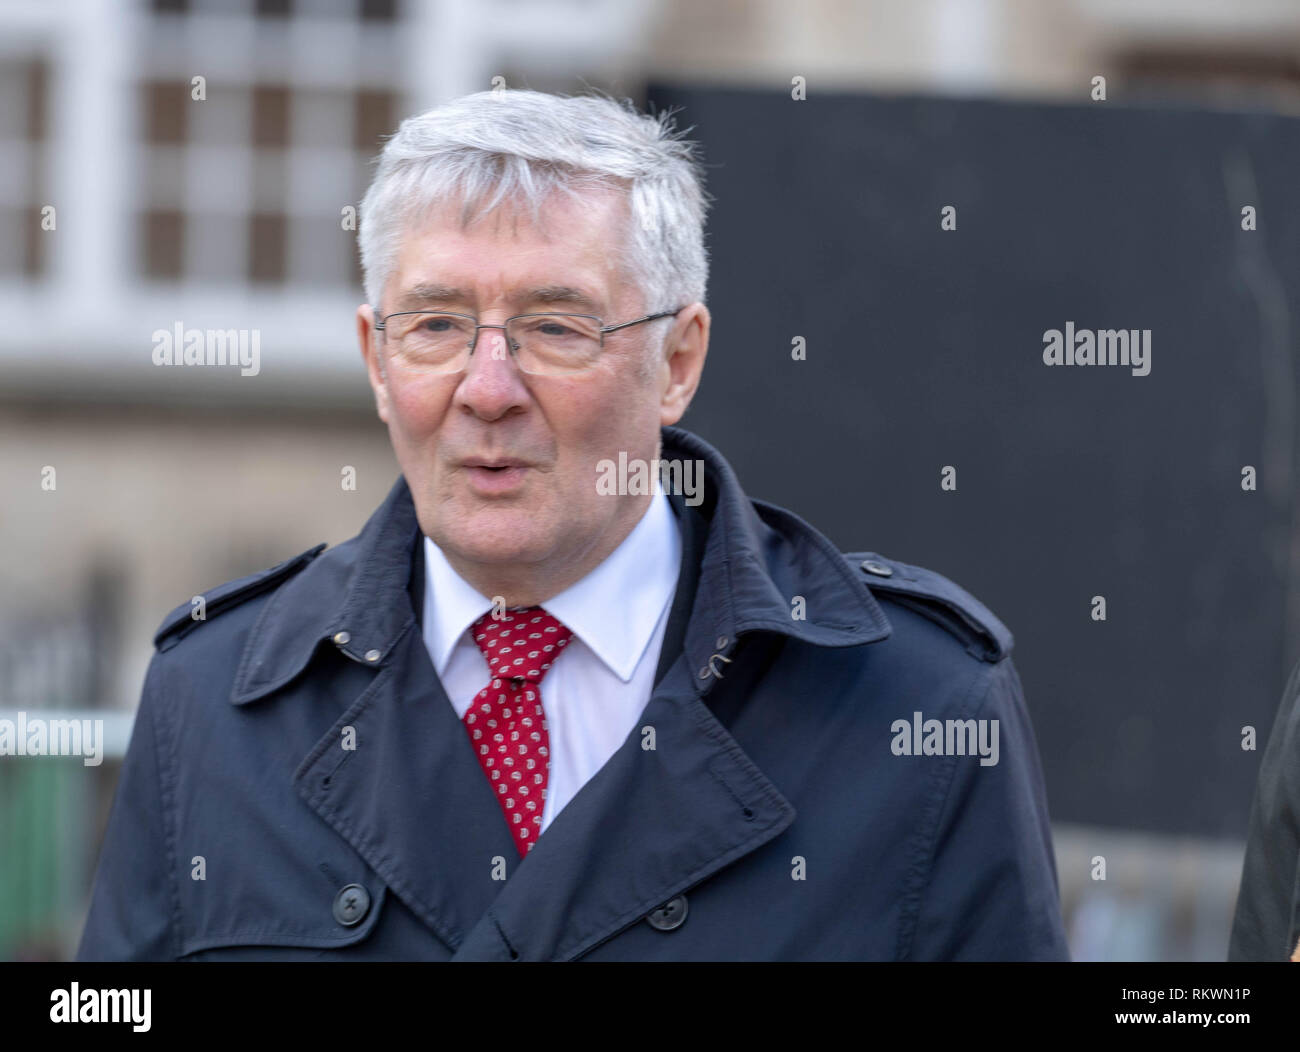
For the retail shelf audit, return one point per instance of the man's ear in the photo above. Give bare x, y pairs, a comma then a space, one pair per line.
684, 361
367, 337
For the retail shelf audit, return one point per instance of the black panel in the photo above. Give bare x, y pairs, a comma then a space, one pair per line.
925, 349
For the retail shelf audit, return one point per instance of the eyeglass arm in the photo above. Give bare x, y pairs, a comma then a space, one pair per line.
638, 321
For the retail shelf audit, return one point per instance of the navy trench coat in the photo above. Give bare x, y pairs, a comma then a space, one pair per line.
757, 812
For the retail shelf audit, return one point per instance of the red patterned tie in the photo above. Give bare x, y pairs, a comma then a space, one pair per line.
506, 722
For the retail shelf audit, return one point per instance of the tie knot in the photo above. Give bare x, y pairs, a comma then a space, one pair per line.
521, 644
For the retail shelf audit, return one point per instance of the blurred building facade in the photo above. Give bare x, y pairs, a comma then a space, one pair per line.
198, 164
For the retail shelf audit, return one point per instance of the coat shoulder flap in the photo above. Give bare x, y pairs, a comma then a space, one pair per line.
942, 601
226, 596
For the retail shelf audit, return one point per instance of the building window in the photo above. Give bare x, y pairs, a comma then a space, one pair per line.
24, 134
163, 239
249, 185
166, 107
266, 248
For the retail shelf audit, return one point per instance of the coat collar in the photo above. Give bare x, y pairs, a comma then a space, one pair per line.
757, 559
357, 597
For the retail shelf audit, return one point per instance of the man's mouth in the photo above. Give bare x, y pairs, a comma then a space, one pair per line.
494, 462
495, 476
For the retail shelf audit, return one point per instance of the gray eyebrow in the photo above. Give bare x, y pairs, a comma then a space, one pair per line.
549, 294
426, 294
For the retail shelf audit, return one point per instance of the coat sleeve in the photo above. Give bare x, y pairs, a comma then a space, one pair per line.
1263, 927
991, 892
133, 901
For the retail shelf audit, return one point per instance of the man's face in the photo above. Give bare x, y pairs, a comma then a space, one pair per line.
502, 465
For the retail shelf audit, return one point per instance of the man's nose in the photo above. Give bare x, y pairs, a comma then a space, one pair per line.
493, 384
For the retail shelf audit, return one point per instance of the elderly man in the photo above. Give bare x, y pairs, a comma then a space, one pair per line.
545, 706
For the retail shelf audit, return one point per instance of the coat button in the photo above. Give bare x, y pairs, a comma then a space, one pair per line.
668, 916
372, 655
342, 638
351, 905
879, 569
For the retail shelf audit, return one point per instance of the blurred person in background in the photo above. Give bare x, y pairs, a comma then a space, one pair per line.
570, 693
1266, 926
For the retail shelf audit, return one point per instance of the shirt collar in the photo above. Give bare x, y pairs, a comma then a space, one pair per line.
451, 605
614, 610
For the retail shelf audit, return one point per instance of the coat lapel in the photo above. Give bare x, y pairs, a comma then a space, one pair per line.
411, 797
650, 824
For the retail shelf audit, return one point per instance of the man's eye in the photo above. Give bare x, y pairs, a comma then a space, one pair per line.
435, 324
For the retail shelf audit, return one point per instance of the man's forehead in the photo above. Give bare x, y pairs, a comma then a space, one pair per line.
574, 266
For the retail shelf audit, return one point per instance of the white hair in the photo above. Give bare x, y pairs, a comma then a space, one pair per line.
520, 146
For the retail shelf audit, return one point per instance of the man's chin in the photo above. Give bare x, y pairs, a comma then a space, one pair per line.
500, 536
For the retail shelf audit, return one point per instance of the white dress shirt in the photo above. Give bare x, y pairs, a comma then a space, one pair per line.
594, 694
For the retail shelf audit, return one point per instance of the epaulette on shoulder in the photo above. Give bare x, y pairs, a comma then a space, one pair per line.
934, 596
225, 596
